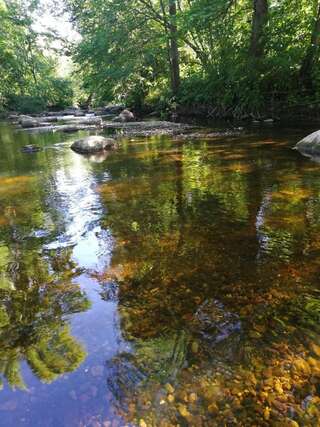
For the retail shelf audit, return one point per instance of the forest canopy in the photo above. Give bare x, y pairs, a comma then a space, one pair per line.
222, 57
29, 81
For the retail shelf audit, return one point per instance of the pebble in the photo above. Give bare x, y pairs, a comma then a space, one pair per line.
169, 388
315, 348
193, 397
170, 398
266, 413
183, 411
213, 408
195, 347
301, 366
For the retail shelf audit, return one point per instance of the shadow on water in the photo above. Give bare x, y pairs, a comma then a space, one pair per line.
173, 282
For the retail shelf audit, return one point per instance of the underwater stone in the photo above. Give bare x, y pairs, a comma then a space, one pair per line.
30, 149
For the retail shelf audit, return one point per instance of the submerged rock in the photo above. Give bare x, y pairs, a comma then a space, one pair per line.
310, 145
30, 149
216, 324
93, 144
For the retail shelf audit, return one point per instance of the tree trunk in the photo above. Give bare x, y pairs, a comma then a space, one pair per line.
309, 59
259, 21
174, 50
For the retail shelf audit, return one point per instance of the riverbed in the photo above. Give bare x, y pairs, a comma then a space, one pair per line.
173, 281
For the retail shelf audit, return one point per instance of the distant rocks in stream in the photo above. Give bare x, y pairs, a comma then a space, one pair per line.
124, 117
113, 109
93, 144
28, 122
310, 145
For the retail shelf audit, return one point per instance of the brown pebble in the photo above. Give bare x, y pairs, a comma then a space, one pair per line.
193, 397
169, 388
170, 398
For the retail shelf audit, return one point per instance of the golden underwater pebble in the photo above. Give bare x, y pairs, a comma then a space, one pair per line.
213, 408
315, 348
170, 398
278, 387
142, 423
193, 397
301, 366
313, 362
169, 388
288, 422
183, 411
266, 413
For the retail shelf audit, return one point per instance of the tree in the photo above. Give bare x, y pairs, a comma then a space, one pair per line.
259, 21
307, 67
174, 50
28, 77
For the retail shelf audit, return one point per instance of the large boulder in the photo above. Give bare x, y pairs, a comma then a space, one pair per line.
24, 117
29, 122
93, 144
125, 116
310, 145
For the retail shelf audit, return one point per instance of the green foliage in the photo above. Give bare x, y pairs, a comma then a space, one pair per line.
124, 54
25, 103
28, 81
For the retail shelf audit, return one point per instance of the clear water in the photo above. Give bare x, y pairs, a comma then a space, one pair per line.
171, 282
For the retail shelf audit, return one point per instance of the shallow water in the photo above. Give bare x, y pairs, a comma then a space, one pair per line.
173, 282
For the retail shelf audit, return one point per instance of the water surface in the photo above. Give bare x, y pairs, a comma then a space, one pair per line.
172, 282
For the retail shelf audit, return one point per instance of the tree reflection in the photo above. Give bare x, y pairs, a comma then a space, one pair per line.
37, 293
34, 314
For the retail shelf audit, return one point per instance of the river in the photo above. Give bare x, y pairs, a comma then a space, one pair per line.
170, 282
